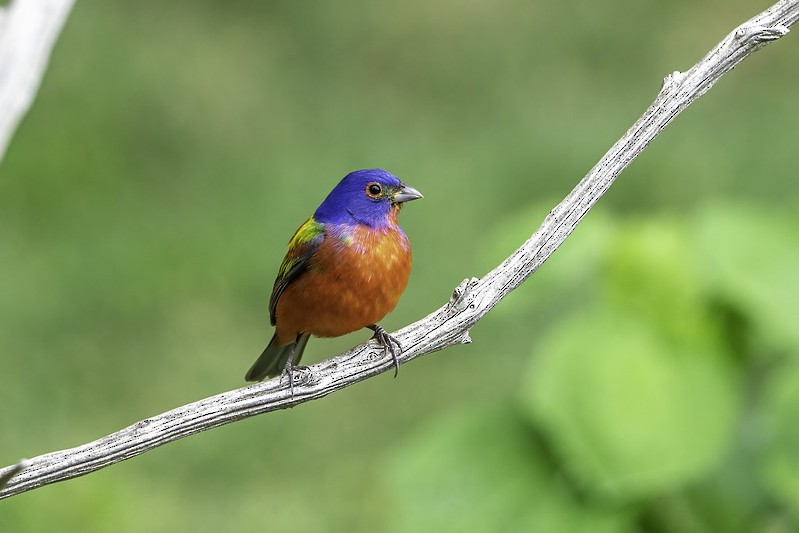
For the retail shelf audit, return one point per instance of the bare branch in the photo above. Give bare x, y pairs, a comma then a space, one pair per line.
12, 471
28, 31
448, 325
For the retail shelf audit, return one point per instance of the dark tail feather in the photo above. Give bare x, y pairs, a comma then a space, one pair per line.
274, 358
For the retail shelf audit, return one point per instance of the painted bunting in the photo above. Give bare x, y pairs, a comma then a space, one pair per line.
345, 269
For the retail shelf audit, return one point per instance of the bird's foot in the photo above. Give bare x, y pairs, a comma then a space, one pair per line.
288, 372
390, 344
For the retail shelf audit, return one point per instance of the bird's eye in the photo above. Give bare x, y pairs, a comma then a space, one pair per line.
373, 190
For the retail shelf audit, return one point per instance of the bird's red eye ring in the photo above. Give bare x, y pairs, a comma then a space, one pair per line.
373, 190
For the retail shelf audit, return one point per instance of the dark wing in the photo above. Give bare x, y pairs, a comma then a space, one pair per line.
302, 247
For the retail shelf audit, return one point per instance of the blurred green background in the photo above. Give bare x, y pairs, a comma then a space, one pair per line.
645, 379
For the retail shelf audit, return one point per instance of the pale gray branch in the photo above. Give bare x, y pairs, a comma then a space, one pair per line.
28, 31
448, 325
12, 471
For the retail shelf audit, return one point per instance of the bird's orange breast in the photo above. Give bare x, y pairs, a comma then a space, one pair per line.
355, 278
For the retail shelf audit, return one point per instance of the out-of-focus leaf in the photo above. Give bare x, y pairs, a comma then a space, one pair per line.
482, 471
651, 275
779, 426
630, 414
751, 259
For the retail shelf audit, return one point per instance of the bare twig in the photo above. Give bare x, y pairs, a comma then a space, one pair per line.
28, 31
12, 471
450, 324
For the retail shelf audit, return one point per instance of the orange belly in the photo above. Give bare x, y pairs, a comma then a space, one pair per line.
351, 283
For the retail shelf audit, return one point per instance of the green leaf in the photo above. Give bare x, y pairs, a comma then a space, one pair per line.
481, 470
778, 427
750, 258
649, 274
629, 413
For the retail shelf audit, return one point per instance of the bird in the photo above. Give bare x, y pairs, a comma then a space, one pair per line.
345, 270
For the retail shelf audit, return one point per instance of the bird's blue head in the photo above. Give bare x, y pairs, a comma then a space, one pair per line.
365, 197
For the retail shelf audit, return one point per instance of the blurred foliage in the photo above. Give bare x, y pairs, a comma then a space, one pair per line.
645, 379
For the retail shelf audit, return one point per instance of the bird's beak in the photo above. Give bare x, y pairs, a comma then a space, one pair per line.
406, 194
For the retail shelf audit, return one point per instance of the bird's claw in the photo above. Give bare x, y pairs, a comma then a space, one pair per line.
288, 372
390, 345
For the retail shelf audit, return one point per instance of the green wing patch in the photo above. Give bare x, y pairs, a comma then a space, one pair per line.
302, 246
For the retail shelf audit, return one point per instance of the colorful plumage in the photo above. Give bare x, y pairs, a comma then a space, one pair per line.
345, 269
